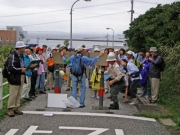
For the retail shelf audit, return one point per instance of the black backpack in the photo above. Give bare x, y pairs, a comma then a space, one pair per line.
5, 72
162, 65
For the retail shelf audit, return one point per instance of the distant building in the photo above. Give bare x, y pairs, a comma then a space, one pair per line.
12, 34
7, 37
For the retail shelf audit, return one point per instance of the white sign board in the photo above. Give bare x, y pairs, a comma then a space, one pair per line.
57, 100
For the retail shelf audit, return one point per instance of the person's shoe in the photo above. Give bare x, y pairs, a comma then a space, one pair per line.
16, 111
110, 97
134, 101
42, 92
82, 106
10, 112
114, 107
93, 96
68, 89
152, 101
28, 99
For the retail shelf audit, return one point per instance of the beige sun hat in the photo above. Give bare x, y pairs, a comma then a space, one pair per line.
96, 49
153, 49
80, 48
111, 57
130, 52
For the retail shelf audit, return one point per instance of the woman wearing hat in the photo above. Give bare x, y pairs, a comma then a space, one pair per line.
41, 73
117, 79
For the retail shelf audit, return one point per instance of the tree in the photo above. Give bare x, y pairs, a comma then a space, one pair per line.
4, 53
66, 42
159, 26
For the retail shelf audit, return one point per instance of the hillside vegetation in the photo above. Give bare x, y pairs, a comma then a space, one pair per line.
160, 27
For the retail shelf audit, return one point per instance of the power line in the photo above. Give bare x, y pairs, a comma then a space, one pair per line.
146, 2
74, 19
62, 9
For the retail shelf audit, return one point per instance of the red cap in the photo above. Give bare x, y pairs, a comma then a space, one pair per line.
39, 48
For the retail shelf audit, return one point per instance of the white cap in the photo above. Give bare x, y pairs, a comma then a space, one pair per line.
20, 44
153, 49
111, 57
96, 49
80, 48
116, 50
61, 73
53, 48
130, 52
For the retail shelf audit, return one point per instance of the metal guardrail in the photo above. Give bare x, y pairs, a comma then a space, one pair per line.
1, 89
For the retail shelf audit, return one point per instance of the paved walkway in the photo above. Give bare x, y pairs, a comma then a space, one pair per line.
80, 121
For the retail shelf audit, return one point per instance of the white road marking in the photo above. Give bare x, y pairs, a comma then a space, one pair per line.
32, 129
119, 132
96, 132
12, 132
91, 114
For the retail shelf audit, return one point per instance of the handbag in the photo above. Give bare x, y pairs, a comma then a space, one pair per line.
51, 68
135, 74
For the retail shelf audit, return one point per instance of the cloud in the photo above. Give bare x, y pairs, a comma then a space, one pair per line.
119, 22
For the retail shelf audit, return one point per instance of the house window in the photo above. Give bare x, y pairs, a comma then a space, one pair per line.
7, 39
0, 39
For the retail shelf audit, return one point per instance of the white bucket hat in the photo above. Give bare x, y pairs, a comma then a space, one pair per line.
96, 49
20, 44
153, 49
111, 57
130, 52
116, 50
80, 48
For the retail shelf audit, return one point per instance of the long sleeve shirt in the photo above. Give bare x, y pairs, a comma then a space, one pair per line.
131, 68
86, 61
41, 65
115, 72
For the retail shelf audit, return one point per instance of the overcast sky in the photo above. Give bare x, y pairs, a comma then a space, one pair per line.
90, 19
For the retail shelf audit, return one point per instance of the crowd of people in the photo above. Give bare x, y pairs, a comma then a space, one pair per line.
125, 71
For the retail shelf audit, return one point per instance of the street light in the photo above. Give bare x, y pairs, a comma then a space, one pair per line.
71, 20
113, 34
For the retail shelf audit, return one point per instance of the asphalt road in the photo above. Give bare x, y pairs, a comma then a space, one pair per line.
85, 121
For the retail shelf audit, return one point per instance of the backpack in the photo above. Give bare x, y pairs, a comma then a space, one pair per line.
77, 66
162, 65
5, 72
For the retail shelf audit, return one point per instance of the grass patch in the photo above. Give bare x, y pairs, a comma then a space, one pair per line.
3, 111
152, 115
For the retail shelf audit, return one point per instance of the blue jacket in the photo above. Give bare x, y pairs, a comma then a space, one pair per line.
87, 61
144, 71
26, 64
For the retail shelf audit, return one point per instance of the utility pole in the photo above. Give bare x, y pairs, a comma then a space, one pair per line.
107, 39
132, 10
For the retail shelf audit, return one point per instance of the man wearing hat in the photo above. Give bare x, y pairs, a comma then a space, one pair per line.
82, 78
154, 73
129, 55
117, 79
15, 66
28, 74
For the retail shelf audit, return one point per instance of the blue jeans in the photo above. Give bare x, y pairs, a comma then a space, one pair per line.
147, 88
82, 85
40, 81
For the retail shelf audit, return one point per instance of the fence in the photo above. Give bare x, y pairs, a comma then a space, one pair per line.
1, 89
